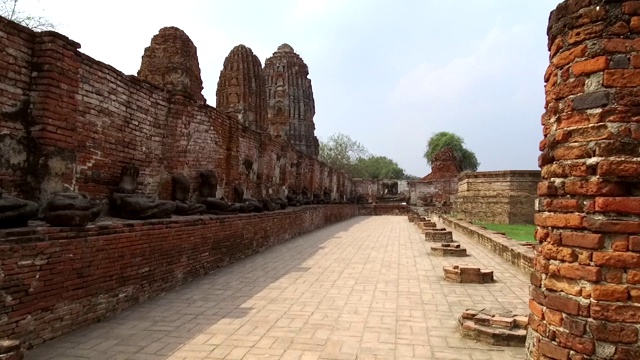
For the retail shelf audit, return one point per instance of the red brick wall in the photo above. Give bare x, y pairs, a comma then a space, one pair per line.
384, 209
87, 119
585, 293
58, 279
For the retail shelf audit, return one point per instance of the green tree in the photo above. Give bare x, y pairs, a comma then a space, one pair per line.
341, 152
465, 158
9, 9
377, 167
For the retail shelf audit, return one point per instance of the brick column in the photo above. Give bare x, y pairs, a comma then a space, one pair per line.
585, 293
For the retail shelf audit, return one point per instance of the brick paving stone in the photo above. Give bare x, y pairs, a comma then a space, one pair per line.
365, 288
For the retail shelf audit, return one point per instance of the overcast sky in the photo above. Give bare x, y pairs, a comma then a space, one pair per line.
388, 73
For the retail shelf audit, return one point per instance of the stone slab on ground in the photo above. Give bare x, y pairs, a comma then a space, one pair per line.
364, 288
494, 328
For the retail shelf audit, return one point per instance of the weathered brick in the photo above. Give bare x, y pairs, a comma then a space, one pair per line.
609, 293
621, 78
574, 325
583, 240
613, 332
560, 284
580, 272
580, 344
552, 252
590, 66
615, 312
591, 100
562, 303
593, 188
572, 221
612, 226
569, 56
619, 61
623, 205
553, 351
617, 259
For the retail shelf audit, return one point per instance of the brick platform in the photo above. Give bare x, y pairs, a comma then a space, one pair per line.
57, 279
449, 250
359, 289
467, 274
10, 350
502, 329
443, 236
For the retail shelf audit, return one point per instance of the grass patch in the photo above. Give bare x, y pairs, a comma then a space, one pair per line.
516, 232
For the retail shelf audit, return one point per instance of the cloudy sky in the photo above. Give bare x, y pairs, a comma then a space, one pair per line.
389, 73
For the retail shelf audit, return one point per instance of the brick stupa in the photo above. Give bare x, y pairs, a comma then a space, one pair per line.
290, 100
443, 166
171, 62
242, 90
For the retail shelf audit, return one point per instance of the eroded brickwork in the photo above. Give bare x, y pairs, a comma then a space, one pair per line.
501, 197
290, 100
67, 120
585, 293
242, 91
57, 279
171, 62
439, 187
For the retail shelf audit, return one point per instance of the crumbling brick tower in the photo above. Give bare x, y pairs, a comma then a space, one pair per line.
585, 293
242, 91
291, 107
171, 62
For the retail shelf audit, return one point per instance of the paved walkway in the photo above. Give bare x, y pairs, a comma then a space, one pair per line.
365, 288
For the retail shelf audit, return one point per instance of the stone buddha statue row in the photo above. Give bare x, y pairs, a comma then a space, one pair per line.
73, 209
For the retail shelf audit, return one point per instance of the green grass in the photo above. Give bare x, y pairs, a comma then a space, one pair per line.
516, 232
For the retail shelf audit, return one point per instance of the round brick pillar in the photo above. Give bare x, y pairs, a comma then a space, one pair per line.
585, 293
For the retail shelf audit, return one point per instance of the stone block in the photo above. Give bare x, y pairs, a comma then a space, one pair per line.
494, 329
446, 250
467, 274
11, 350
438, 236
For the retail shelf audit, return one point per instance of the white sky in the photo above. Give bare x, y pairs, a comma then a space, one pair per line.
389, 73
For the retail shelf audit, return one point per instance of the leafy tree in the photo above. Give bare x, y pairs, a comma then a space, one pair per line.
9, 9
411, 177
465, 158
377, 167
343, 153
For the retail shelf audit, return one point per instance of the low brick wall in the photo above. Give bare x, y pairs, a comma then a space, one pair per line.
512, 251
53, 280
500, 197
384, 209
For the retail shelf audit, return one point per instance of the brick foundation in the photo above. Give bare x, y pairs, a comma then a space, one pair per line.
467, 274
501, 197
446, 250
11, 350
510, 250
438, 236
494, 329
58, 279
384, 209
585, 293
67, 120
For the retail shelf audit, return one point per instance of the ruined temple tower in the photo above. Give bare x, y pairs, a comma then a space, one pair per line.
242, 91
585, 291
171, 62
290, 100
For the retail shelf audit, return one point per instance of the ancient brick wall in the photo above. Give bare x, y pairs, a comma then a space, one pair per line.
432, 192
69, 120
58, 279
585, 294
500, 197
